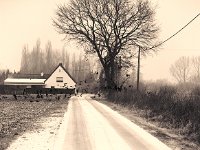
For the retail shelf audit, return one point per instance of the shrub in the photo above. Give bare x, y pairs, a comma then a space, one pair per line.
167, 104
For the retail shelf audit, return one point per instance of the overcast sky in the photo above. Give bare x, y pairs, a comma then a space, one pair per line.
24, 21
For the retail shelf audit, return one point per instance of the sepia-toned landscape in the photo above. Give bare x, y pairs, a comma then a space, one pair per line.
99, 75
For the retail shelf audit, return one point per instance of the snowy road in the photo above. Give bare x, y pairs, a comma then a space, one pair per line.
90, 125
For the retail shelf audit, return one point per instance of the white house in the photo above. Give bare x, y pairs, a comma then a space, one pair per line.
58, 79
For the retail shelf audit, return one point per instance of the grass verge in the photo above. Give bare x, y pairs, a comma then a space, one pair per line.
167, 108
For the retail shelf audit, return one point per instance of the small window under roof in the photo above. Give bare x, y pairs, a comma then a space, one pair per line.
59, 79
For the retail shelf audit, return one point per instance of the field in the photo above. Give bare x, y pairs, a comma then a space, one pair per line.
20, 115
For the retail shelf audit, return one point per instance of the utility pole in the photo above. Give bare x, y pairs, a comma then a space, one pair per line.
138, 70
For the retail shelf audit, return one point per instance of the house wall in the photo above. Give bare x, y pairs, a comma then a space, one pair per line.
67, 81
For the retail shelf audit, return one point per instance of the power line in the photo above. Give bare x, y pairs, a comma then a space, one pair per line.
166, 39
175, 33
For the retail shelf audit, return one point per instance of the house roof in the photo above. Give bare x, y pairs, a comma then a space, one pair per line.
30, 76
60, 65
23, 81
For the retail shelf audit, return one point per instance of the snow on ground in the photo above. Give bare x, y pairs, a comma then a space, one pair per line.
40, 139
91, 125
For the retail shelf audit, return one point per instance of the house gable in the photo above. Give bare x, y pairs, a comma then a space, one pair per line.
60, 78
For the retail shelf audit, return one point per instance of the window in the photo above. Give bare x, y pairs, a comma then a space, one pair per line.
59, 79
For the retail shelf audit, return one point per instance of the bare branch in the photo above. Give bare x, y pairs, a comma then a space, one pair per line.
109, 28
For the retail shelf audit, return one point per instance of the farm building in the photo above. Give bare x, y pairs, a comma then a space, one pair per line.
58, 81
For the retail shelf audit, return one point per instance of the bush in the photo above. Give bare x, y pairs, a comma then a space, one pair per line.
166, 104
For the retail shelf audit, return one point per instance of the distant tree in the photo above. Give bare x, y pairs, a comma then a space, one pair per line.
196, 68
180, 69
25, 60
2, 76
109, 28
39, 57
39, 60
57, 57
80, 69
35, 58
63, 55
49, 57
7, 73
67, 61
73, 66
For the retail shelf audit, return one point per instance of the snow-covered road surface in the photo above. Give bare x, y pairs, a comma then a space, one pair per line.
90, 125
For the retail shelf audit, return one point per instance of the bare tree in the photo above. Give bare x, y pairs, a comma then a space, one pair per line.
73, 66
67, 55
109, 28
180, 69
37, 60
196, 65
25, 60
195, 70
49, 58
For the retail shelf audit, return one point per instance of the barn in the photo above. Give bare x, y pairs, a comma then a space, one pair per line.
59, 81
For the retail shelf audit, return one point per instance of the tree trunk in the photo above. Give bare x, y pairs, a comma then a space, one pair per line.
109, 76
112, 71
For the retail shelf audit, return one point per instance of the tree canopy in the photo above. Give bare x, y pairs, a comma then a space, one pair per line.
112, 29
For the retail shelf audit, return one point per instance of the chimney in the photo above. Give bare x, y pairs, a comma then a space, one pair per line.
60, 64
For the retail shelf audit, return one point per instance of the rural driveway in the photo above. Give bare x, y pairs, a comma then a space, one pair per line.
90, 125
